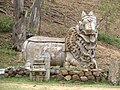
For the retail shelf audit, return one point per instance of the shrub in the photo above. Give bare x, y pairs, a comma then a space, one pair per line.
6, 23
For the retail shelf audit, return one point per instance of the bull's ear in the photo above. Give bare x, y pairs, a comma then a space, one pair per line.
83, 13
91, 13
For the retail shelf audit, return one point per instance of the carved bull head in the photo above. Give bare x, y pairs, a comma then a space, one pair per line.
89, 22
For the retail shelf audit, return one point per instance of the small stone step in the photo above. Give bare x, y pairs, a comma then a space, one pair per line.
2, 71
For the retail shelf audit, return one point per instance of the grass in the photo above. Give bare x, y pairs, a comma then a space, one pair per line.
8, 56
16, 84
110, 8
6, 23
110, 39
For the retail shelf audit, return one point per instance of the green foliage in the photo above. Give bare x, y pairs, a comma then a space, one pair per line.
46, 8
105, 38
110, 39
32, 30
6, 23
8, 56
4, 52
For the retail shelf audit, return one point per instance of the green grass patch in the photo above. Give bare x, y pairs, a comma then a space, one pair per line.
110, 39
8, 56
6, 24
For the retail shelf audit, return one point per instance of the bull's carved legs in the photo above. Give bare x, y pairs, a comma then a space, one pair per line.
70, 61
94, 61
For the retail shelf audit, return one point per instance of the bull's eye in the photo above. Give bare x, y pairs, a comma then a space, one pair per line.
83, 25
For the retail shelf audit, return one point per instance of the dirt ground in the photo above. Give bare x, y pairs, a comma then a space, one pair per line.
13, 86
105, 54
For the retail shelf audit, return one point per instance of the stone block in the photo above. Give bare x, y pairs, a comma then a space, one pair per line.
64, 72
81, 73
89, 73
83, 78
74, 72
67, 78
75, 77
91, 77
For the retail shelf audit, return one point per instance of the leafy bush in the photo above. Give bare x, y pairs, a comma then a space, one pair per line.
6, 23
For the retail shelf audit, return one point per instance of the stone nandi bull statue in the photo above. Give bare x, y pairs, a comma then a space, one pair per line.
80, 41
78, 45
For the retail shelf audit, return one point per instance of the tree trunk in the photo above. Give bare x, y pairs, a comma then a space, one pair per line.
20, 23
23, 23
18, 9
34, 20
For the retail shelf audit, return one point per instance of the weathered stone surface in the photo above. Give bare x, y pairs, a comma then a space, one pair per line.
77, 40
95, 70
89, 73
83, 78
75, 77
67, 64
38, 45
53, 76
72, 66
52, 71
27, 72
74, 63
71, 72
64, 72
91, 77
85, 70
98, 79
12, 72
74, 72
21, 72
68, 77
6, 75
59, 77
91, 66
97, 73
81, 73
2, 71
18, 76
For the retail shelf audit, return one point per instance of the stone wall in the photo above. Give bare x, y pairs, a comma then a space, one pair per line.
16, 72
80, 75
